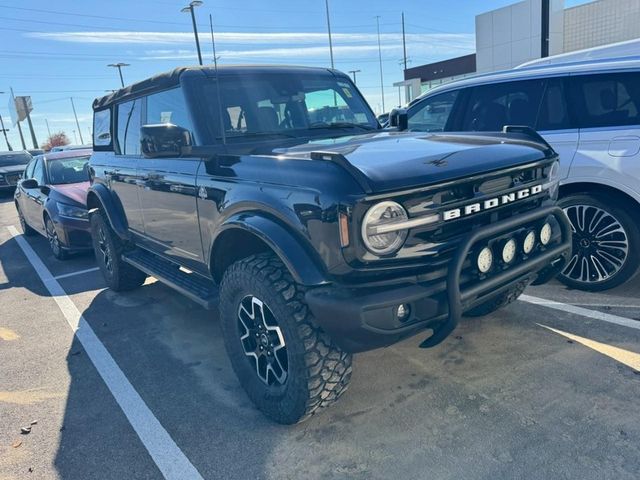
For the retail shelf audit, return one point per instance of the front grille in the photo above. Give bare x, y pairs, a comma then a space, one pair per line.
12, 178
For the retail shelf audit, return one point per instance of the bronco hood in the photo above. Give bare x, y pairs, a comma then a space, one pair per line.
399, 160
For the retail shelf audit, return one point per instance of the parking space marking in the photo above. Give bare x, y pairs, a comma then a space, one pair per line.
79, 272
630, 359
594, 314
171, 461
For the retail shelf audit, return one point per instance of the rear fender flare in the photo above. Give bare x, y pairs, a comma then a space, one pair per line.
100, 198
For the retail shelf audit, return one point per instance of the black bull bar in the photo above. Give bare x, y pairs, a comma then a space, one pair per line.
457, 297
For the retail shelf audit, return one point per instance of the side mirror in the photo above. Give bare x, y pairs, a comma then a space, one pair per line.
29, 183
399, 118
164, 140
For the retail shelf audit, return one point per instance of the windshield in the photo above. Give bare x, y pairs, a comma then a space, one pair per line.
68, 170
286, 105
19, 158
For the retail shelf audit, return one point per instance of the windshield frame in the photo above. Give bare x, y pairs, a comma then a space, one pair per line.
206, 115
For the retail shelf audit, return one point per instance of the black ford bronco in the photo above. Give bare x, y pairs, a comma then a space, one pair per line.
273, 194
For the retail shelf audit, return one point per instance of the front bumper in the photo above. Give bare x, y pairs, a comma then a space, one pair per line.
361, 318
74, 233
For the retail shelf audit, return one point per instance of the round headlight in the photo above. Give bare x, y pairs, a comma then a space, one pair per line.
545, 234
485, 260
509, 251
529, 242
378, 231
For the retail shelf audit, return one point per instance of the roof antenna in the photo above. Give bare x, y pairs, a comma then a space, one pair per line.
215, 66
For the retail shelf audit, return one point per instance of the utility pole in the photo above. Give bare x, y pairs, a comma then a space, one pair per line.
33, 133
404, 43
380, 59
326, 3
4, 131
77, 123
13, 99
213, 42
353, 72
189, 8
48, 129
119, 66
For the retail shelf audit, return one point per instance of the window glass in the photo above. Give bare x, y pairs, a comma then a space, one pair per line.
554, 114
129, 127
278, 104
68, 170
168, 107
607, 100
433, 114
8, 159
102, 128
28, 172
491, 107
38, 172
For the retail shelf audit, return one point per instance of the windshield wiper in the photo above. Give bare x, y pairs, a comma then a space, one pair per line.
318, 125
262, 134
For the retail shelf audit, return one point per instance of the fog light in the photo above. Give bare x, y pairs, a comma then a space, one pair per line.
529, 242
545, 234
485, 260
509, 251
403, 312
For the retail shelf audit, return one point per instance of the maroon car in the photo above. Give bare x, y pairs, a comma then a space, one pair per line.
51, 199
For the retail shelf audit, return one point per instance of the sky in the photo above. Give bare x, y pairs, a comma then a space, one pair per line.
55, 51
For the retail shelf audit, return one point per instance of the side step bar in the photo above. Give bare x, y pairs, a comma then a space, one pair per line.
192, 285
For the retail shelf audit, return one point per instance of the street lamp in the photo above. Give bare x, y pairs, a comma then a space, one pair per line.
4, 131
189, 8
353, 72
119, 66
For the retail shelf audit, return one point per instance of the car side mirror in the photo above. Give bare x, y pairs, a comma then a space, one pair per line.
29, 183
399, 118
164, 140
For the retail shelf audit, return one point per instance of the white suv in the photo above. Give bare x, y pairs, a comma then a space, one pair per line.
589, 111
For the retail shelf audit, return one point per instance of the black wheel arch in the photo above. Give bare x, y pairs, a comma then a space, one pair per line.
100, 198
247, 234
603, 192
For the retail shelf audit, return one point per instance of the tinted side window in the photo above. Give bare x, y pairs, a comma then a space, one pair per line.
102, 128
491, 107
38, 172
168, 107
607, 100
554, 114
433, 114
129, 127
28, 172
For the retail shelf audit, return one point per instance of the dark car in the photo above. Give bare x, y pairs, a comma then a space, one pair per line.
12, 164
273, 194
51, 200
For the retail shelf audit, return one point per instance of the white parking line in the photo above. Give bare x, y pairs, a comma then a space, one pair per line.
171, 461
596, 315
79, 272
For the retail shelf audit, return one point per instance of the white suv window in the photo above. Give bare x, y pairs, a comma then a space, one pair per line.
433, 114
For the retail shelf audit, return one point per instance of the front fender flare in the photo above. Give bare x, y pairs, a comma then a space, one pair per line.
111, 207
299, 260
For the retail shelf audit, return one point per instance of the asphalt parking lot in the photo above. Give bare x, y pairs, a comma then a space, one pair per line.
534, 391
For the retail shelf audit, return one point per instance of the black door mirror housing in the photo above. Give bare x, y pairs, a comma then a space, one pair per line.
164, 140
399, 118
29, 183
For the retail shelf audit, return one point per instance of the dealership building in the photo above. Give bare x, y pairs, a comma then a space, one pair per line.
529, 30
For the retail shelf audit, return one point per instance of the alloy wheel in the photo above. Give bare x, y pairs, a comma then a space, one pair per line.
262, 341
600, 244
104, 251
52, 237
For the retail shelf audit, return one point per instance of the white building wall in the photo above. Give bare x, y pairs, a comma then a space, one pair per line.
600, 23
511, 35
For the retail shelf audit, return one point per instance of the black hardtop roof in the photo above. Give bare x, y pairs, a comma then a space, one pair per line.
165, 80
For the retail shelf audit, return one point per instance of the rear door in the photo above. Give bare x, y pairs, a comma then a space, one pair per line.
555, 123
607, 107
34, 198
168, 190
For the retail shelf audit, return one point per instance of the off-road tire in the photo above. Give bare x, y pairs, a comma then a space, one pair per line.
502, 300
119, 276
54, 240
631, 227
26, 229
318, 370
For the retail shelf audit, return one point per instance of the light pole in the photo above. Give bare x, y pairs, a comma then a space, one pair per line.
353, 72
326, 3
189, 8
119, 66
4, 131
77, 123
380, 58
